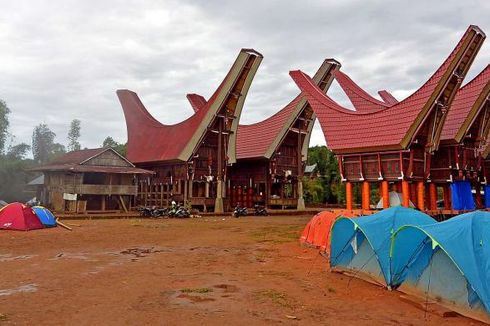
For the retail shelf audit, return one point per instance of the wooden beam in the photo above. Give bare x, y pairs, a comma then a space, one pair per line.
123, 204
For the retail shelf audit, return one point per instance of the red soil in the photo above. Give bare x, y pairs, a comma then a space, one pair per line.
204, 271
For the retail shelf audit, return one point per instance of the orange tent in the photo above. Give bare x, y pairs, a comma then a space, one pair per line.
317, 232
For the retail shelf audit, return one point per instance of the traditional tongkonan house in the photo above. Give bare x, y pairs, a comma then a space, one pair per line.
271, 154
457, 164
395, 143
190, 158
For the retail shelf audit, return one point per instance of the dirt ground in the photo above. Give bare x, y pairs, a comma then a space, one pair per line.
204, 271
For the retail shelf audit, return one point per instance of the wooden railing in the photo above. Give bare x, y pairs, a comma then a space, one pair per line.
89, 189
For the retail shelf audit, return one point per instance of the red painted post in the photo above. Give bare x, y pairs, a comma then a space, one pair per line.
405, 193
348, 195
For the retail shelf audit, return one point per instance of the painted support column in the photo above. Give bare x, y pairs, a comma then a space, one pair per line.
413, 193
405, 193
218, 204
447, 197
478, 198
366, 196
348, 195
432, 196
385, 193
301, 200
206, 190
421, 196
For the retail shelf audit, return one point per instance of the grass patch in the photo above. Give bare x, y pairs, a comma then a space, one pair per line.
331, 290
196, 290
276, 297
277, 235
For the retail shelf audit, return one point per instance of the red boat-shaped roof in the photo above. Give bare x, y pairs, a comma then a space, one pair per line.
151, 141
467, 104
260, 140
394, 127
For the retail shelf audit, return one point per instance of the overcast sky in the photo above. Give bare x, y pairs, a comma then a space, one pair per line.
64, 60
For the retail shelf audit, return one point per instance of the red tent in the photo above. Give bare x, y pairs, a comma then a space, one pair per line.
317, 231
16, 216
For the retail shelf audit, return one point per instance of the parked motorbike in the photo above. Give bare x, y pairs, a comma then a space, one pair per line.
178, 211
145, 211
240, 211
159, 212
260, 211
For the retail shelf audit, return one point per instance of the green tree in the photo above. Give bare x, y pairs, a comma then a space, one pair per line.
18, 152
74, 135
4, 125
329, 182
42, 143
120, 148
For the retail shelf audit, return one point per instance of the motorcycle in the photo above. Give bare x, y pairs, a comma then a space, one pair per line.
260, 211
159, 212
240, 211
145, 211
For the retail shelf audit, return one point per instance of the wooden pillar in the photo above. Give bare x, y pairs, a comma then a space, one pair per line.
478, 198
405, 193
366, 196
348, 195
385, 194
421, 195
206, 189
432, 196
413, 193
447, 196
218, 203
301, 200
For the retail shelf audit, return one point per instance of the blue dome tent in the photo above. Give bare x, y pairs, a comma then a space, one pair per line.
362, 245
448, 262
45, 216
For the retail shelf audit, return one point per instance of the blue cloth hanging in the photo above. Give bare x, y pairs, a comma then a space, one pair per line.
487, 196
462, 198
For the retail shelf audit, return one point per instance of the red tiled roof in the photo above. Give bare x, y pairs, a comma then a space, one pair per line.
151, 141
350, 131
254, 140
197, 101
387, 97
464, 103
361, 100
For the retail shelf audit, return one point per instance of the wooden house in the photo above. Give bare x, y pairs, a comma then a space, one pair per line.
90, 180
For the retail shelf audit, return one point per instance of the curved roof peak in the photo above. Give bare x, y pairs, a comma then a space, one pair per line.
152, 141
397, 126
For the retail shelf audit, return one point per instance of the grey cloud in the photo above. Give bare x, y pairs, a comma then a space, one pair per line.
64, 59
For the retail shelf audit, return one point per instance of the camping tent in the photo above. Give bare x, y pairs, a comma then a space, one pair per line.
45, 216
317, 232
16, 216
396, 199
362, 245
449, 260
